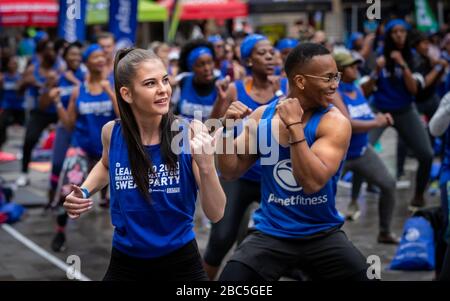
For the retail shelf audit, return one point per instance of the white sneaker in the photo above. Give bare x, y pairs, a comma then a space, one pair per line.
23, 180
403, 182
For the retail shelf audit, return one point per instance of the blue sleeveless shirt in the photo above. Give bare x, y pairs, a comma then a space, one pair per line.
93, 112
254, 173
11, 98
358, 109
285, 210
190, 101
149, 229
67, 86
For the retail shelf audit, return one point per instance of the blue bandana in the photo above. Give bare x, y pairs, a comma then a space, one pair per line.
92, 48
215, 38
249, 43
195, 54
286, 43
391, 24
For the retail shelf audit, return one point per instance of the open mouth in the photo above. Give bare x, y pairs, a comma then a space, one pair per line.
162, 101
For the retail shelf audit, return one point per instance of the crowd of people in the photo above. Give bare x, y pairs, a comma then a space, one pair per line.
319, 106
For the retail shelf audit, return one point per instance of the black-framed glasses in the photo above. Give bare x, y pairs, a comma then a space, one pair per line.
336, 77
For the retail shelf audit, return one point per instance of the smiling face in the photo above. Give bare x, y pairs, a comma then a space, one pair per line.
317, 90
96, 62
150, 92
262, 58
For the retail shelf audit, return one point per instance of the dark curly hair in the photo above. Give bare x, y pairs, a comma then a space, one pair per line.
188, 47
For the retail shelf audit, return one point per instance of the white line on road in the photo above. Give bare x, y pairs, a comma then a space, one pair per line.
40, 251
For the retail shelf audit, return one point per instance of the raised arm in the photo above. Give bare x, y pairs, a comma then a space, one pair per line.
76, 202
440, 121
211, 193
314, 165
238, 155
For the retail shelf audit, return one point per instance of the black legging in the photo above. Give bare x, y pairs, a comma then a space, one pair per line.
240, 195
36, 125
8, 117
414, 134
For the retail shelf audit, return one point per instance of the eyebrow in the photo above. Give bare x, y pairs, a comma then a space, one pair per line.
152, 78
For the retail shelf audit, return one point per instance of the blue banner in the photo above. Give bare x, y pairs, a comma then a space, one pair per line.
123, 22
71, 20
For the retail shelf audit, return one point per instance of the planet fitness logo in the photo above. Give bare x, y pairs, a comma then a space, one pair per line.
282, 173
412, 234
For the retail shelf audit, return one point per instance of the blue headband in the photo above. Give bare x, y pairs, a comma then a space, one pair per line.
92, 48
249, 43
195, 54
355, 36
391, 24
286, 43
215, 38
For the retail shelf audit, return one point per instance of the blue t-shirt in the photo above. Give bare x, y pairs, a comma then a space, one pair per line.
149, 229
11, 98
358, 109
285, 210
254, 173
93, 112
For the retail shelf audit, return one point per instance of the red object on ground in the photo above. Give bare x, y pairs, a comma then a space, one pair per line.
29, 12
3, 218
4, 157
209, 9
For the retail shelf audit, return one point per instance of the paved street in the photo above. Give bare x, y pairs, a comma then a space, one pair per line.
90, 237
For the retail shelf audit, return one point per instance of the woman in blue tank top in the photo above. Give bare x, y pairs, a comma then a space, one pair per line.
70, 78
301, 142
440, 125
197, 83
90, 107
11, 102
361, 158
257, 89
39, 76
397, 86
153, 190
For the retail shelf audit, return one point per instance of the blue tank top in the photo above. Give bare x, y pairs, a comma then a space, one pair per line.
358, 109
93, 112
190, 101
150, 229
67, 86
445, 172
254, 173
285, 210
11, 97
392, 94
35, 92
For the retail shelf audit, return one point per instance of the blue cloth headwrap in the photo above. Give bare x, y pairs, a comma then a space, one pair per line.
249, 43
286, 43
391, 24
92, 48
351, 41
40, 35
195, 54
215, 38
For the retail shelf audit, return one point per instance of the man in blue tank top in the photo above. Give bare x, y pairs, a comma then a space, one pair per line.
301, 142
